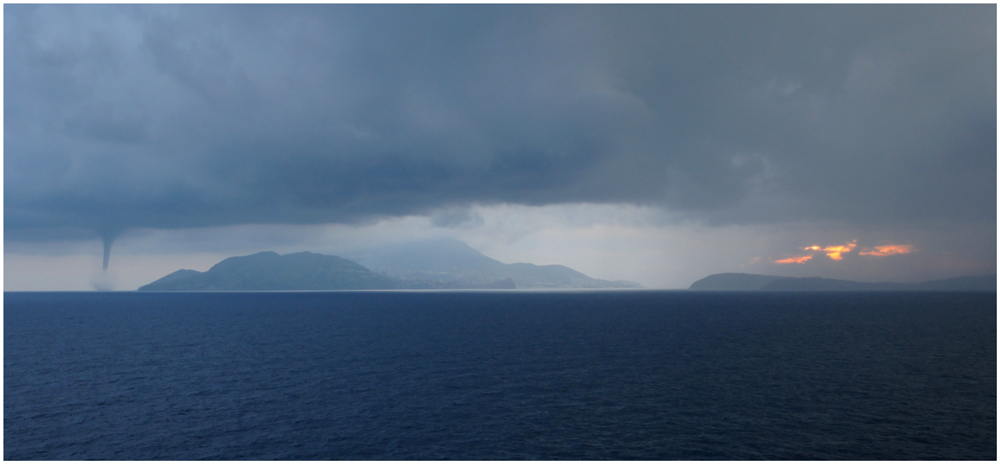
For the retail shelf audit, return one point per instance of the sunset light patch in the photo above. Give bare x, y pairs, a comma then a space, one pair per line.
887, 250
794, 259
834, 252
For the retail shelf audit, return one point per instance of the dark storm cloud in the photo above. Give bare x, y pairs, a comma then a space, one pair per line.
121, 117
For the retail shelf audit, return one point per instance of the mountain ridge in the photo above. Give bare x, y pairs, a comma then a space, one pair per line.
268, 270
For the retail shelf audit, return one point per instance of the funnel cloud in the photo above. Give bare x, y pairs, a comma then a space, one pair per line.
107, 240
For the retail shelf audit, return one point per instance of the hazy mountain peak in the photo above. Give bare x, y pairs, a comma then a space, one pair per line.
453, 262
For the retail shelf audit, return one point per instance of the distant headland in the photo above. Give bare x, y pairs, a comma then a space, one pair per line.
755, 282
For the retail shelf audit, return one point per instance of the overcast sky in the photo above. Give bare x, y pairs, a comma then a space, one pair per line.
656, 143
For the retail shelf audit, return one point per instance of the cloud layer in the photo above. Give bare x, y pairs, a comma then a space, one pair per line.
169, 117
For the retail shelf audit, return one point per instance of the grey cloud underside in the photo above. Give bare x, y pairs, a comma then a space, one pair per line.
119, 117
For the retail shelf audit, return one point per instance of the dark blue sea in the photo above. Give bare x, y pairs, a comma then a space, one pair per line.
500, 375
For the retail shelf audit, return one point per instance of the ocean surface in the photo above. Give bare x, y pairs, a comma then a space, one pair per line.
500, 375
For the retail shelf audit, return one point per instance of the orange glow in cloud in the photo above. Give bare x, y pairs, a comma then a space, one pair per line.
888, 250
795, 259
833, 251
836, 252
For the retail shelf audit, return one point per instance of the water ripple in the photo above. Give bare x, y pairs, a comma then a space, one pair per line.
616, 375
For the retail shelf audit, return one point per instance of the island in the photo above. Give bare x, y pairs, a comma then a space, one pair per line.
439, 264
756, 282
